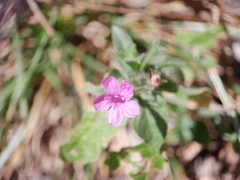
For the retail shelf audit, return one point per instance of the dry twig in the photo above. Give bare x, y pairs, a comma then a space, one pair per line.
79, 80
40, 17
153, 12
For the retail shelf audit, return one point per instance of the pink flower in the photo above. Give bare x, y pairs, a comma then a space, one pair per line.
116, 101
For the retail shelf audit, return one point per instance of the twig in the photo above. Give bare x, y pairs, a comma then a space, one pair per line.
42, 20
106, 8
145, 12
221, 108
225, 7
35, 112
78, 81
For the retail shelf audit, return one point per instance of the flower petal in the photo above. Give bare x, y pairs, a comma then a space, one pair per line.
102, 102
126, 90
111, 85
115, 116
130, 109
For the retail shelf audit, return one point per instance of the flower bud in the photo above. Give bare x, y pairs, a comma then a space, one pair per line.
155, 80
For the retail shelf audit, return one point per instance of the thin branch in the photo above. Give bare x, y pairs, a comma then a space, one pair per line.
78, 81
79, 6
40, 17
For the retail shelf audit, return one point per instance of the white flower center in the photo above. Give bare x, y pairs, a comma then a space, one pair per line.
119, 98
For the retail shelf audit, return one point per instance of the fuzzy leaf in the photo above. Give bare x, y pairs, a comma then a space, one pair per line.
123, 43
151, 125
92, 134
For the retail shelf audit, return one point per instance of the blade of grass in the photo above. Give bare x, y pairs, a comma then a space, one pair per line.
35, 111
217, 83
78, 81
37, 56
20, 69
86, 60
40, 17
13, 144
5, 95
22, 86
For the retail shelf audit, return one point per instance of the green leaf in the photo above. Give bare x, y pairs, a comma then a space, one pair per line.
208, 63
151, 52
93, 64
134, 65
53, 78
201, 134
185, 126
173, 74
143, 149
172, 137
161, 60
151, 124
158, 162
204, 112
177, 101
115, 157
200, 41
193, 91
174, 77
236, 88
139, 176
87, 60
123, 43
92, 134
116, 74
186, 56
230, 137
5, 95
113, 161
168, 86
22, 86
123, 67
91, 89
176, 168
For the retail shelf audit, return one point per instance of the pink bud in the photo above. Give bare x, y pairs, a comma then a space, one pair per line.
155, 80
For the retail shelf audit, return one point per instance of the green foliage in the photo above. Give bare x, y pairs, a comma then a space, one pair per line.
93, 64
5, 95
151, 124
144, 149
193, 91
165, 118
115, 160
200, 128
201, 40
157, 162
176, 168
52, 77
123, 43
92, 89
139, 176
185, 127
88, 140
149, 55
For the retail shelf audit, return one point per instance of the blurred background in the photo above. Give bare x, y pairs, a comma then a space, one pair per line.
182, 57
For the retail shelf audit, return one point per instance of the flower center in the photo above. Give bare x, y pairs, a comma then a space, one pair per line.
118, 99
